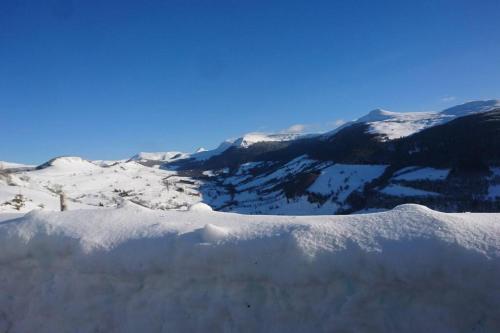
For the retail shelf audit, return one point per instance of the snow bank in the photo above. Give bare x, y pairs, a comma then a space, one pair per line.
135, 270
200, 207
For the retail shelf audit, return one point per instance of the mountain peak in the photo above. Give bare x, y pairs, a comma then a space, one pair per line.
67, 163
377, 115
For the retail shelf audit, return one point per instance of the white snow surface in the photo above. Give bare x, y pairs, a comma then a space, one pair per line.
130, 269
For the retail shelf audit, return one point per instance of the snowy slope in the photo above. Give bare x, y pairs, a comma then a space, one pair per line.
135, 270
395, 125
342, 179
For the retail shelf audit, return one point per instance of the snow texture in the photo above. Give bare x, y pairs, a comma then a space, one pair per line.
131, 269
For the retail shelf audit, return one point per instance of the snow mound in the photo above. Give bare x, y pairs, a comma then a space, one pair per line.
137, 270
200, 207
212, 233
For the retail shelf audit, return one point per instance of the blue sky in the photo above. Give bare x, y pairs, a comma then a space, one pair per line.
106, 79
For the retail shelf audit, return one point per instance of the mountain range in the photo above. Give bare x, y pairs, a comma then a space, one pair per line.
448, 161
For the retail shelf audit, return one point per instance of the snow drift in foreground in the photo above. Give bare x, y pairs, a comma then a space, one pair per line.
135, 270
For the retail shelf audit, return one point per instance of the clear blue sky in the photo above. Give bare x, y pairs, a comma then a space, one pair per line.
106, 79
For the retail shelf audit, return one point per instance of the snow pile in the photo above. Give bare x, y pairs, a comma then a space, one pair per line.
200, 207
135, 270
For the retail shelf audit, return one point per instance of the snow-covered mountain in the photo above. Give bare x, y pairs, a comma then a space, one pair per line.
447, 160
394, 125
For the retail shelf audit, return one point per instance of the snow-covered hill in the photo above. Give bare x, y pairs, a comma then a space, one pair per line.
88, 185
131, 269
